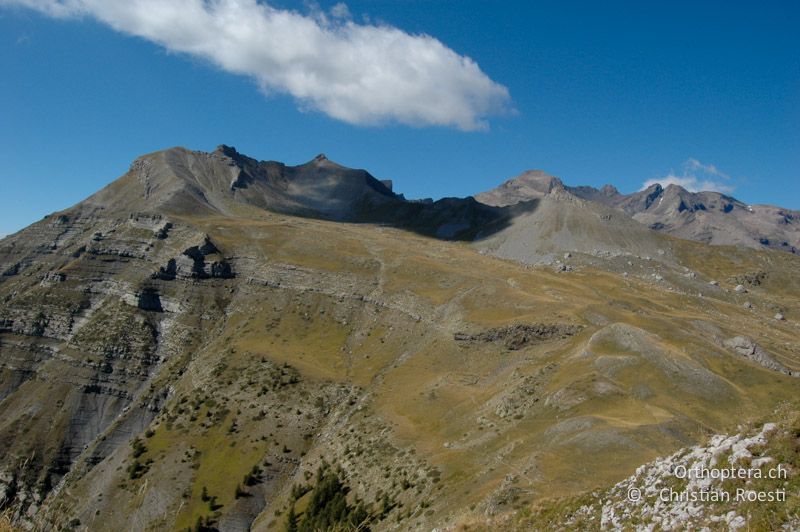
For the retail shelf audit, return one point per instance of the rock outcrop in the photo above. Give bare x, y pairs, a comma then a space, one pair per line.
518, 336
747, 348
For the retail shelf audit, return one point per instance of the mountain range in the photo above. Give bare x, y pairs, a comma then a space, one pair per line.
182, 181
708, 217
213, 342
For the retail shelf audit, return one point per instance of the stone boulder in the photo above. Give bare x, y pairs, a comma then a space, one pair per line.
747, 348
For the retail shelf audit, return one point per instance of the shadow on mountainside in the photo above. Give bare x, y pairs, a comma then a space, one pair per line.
455, 219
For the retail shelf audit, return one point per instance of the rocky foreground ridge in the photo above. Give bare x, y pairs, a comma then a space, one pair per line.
749, 480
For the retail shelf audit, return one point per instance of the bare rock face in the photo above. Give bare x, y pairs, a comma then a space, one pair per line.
198, 262
202, 261
750, 278
518, 336
13, 269
750, 350
53, 277
148, 299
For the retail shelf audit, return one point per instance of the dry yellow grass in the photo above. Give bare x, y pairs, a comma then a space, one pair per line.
377, 308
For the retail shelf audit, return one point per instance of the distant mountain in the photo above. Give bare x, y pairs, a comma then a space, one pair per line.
708, 217
556, 222
533, 184
182, 181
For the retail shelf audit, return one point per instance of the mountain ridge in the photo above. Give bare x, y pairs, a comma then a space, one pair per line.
708, 217
182, 180
225, 181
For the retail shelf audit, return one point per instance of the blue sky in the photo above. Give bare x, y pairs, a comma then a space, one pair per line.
705, 93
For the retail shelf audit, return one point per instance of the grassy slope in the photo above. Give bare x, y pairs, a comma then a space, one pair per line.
426, 400
373, 311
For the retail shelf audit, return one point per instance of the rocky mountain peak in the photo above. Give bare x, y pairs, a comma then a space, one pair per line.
226, 150
538, 178
654, 189
672, 188
532, 184
321, 161
609, 190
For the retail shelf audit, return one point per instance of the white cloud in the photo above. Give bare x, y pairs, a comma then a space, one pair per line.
340, 10
358, 73
696, 177
695, 165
